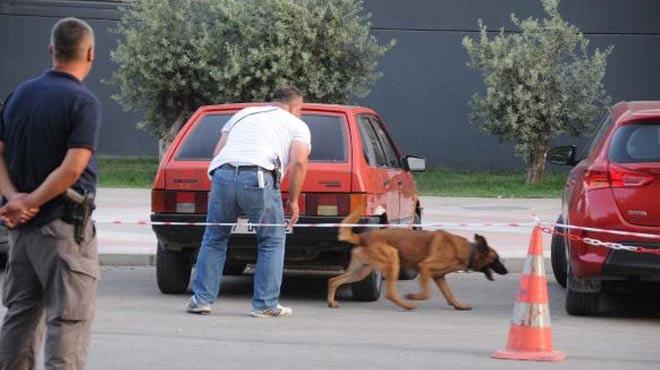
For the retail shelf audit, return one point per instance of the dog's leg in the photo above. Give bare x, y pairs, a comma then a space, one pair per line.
356, 271
449, 296
390, 265
423, 278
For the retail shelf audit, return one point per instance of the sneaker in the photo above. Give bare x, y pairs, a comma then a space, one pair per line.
276, 311
193, 307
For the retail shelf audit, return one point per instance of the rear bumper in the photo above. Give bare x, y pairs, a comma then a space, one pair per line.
602, 263
313, 246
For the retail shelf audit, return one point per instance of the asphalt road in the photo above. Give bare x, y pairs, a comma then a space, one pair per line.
136, 327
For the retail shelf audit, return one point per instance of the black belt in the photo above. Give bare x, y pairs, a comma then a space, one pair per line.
252, 168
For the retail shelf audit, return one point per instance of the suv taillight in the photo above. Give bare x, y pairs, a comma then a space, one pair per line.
169, 201
613, 176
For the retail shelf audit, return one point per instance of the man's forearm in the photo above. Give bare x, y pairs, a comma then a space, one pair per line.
55, 184
298, 171
7, 189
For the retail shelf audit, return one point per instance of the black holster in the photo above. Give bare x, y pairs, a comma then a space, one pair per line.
79, 211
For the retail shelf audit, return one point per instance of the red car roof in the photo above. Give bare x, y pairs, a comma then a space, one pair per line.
638, 111
306, 106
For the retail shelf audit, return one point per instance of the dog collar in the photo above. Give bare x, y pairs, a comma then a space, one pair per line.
473, 255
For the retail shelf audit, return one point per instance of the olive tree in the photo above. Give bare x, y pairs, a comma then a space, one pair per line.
175, 55
540, 81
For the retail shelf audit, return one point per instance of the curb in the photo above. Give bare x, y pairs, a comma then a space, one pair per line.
513, 264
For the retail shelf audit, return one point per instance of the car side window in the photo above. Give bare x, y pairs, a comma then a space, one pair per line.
373, 153
386, 143
599, 134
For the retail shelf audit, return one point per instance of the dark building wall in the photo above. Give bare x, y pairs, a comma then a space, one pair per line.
426, 88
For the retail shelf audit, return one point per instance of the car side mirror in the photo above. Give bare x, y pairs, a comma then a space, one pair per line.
415, 164
565, 154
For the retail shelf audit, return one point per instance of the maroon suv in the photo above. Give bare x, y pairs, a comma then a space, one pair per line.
614, 185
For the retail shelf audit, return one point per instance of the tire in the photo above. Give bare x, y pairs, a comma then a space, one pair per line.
409, 274
233, 268
172, 271
368, 290
558, 255
581, 304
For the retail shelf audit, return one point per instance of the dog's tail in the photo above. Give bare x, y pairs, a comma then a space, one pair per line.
346, 233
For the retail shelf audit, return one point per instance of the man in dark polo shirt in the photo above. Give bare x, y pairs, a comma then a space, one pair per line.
48, 135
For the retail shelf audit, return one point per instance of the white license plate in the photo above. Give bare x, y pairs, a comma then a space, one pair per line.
243, 226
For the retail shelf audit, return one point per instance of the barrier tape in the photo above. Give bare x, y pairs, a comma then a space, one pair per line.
320, 225
600, 243
546, 227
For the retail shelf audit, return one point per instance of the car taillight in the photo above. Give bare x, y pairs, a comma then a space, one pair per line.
615, 177
324, 204
168, 201
626, 178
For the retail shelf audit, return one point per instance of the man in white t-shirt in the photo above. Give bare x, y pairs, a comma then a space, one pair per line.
255, 148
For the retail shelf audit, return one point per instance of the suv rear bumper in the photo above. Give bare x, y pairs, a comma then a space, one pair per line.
304, 246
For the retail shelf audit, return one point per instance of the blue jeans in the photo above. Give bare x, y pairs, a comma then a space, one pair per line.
235, 193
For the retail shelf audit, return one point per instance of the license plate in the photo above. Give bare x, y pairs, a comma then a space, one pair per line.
243, 226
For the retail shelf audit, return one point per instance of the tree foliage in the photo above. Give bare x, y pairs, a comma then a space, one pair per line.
176, 55
540, 82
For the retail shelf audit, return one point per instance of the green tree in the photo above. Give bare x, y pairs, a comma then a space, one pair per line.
540, 82
175, 55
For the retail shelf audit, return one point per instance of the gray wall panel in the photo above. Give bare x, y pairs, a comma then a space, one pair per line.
425, 92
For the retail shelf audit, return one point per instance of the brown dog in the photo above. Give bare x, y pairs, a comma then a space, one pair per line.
433, 254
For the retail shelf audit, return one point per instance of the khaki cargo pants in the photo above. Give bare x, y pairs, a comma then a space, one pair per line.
49, 276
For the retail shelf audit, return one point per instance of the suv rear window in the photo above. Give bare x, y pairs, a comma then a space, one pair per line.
636, 143
328, 138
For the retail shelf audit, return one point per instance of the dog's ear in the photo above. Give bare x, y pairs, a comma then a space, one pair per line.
482, 244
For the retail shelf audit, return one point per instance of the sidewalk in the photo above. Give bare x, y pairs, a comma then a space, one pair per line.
129, 244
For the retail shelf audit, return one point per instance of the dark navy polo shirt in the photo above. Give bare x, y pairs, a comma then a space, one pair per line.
41, 120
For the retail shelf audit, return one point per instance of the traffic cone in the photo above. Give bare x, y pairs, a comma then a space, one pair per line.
530, 335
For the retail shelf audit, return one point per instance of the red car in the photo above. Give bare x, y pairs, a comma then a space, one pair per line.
354, 164
615, 185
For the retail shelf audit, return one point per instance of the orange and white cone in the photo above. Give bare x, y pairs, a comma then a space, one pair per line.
530, 335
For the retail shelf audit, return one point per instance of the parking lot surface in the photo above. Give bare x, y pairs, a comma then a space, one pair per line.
136, 327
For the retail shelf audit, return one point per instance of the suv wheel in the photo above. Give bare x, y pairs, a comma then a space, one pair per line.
558, 255
581, 303
368, 290
410, 274
172, 270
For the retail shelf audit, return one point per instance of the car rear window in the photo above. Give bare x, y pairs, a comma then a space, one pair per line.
328, 137
327, 131
636, 143
199, 145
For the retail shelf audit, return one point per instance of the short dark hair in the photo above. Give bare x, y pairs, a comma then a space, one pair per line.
287, 93
67, 36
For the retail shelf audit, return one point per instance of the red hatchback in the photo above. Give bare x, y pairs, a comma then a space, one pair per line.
615, 185
354, 164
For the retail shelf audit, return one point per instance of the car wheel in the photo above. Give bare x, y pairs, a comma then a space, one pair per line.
172, 270
368, 290
558, 255
410, 274
233, 268
581, 303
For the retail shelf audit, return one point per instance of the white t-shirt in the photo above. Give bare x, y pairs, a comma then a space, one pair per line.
256, 135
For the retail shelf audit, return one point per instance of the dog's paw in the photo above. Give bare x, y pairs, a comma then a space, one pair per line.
416, 297
463, 307
333, 304
409, 306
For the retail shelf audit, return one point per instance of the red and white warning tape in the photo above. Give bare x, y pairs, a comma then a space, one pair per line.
546, 227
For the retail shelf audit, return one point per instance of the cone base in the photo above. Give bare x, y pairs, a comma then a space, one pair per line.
551, 356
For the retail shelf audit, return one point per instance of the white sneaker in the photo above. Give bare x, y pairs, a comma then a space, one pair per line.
193, 307
277, 311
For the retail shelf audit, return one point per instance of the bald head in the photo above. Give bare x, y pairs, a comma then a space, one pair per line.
70, 40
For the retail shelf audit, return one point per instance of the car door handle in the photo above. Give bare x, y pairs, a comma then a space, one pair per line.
386, 182
400, 182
